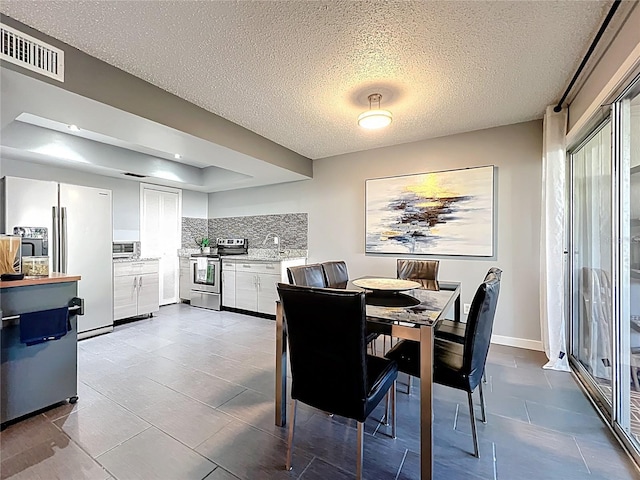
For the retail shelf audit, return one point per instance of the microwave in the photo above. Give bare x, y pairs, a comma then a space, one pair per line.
126, 250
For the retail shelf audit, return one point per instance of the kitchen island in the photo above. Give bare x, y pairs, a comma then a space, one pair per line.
42, 371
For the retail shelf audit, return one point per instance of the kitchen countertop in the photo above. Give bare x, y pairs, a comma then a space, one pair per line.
53, 277
260, 258
255, 255
133, 260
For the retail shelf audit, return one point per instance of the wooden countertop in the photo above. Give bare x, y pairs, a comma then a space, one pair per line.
53, 277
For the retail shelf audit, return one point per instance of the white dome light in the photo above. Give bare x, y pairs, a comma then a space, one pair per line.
373, 119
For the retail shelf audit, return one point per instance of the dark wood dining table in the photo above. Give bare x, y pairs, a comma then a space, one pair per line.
411, 315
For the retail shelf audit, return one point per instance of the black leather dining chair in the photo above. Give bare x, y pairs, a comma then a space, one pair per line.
454, 331
311, 275
335, 274
336, 376
456, 365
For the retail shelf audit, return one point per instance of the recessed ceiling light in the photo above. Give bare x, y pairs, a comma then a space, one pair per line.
74, 128
177, 156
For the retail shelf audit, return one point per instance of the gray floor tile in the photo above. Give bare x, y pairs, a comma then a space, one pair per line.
55, 458
153, 454
604, 459
250, 454
205, 388
450, 471
185, 419
87, 396
26, 434
336, 444
173, 368
566, 421
320, 470
101, 426
220, 474
257, 410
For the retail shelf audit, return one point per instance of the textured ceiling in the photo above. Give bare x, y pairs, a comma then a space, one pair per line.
299, 72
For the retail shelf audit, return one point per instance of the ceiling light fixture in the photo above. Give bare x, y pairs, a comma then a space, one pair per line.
177, 156
74, 128
372, 119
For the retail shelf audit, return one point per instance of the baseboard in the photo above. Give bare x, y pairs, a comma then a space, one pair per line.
517, 342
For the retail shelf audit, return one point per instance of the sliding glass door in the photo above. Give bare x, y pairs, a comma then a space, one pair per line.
604, 272
592, 264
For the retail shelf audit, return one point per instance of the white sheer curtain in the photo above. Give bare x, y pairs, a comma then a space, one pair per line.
552, 240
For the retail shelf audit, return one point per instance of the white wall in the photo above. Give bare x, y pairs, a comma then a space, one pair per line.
334, 200
126, 193
194, 204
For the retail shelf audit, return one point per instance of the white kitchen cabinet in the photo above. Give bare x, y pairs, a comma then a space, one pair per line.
136, 289
255, 283
228, 284
185, 279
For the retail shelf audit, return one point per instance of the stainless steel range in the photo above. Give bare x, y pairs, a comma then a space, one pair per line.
206, 283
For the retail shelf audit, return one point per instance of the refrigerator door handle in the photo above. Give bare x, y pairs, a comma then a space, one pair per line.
63, 239
56, 240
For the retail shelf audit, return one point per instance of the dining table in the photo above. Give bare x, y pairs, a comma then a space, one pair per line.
411, 314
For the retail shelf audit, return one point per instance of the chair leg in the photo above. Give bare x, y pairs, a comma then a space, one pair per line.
482, 404
294, 404
386, 409
476, 452
393, 410
409, 384
359, 456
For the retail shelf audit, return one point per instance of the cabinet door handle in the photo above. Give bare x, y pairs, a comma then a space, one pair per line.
271, 267
135, 282
246, 266
140, 283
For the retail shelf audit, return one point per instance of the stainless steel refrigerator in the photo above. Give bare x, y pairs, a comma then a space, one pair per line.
80, 230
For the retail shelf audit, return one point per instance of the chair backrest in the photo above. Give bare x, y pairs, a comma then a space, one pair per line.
423, 271
326, 332
335, 274
307, 275
477, 337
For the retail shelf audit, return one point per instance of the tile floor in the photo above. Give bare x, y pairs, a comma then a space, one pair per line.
188, 394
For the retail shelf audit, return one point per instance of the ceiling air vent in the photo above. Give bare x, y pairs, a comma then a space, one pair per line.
129, 174
28, 52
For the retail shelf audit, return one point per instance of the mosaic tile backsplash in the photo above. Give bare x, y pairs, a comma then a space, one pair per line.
291, 228
193, 228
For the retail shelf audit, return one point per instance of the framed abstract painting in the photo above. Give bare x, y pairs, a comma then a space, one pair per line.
440, 213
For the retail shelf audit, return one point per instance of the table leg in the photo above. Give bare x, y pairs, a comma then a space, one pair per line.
426, 403
456, 309
281, 368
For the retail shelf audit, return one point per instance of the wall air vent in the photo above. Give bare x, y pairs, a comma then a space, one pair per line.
129, 174
30, 53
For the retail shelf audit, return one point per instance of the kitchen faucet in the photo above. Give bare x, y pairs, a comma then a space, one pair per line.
276, 239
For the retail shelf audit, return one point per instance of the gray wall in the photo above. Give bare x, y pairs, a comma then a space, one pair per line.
334, 200
126, 193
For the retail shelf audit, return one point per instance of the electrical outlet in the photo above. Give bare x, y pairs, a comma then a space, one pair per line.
467, 307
